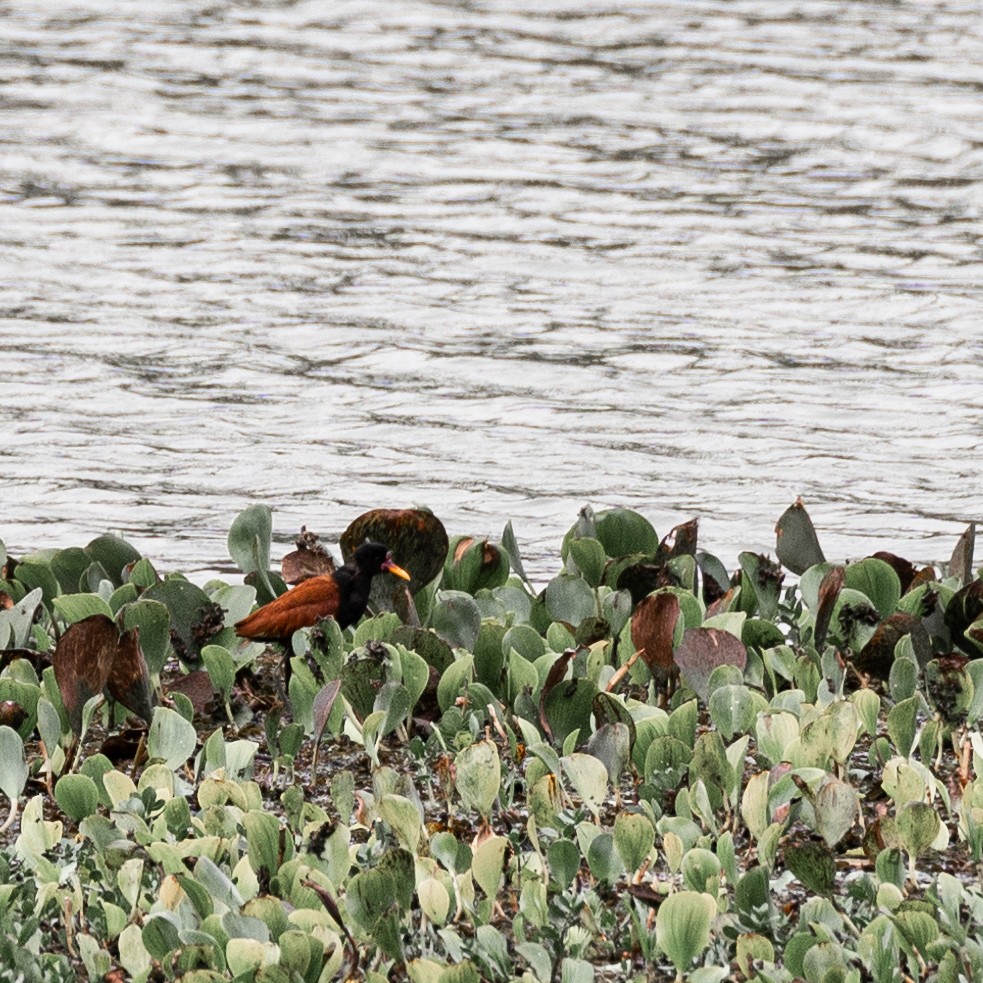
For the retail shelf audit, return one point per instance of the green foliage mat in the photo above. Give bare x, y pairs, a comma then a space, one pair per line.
650, 768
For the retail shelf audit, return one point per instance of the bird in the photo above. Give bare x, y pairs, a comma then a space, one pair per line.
343, 595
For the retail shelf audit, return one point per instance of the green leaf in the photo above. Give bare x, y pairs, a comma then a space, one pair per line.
153, 621
837, 806
478, 777
249, 539
878, 581
77, 796
13, 763
171, 738
918, 825
682, 928
456, 619
112, 553
487, 864
77, 607
797, 545
623, 531
262, 842
569, 599
589, 778
588, 555
634, 837
902, 720
20, 618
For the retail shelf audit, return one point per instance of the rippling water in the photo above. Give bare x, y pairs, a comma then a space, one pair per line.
495, 257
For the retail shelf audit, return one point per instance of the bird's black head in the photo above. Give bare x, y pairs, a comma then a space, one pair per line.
373, 558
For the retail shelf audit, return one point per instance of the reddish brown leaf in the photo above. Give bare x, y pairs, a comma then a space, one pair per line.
829, 591
877, 656
83, 659
905, 569
197, 687
679, 541
702, 650
653, 623
310, 559
91, 657
129, 679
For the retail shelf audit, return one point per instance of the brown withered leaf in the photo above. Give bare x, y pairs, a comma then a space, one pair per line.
829, 591
963, 609
905, 569
640, 579
679, 541
91, 652
129, 678
961, 563
877, 657
197, 687
12, 714
702, 650
653, 623
309, 559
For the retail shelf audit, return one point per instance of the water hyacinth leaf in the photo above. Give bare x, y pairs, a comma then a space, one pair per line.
829, 592
77, 796
171, 738
589, 778
701, 871
797, 545
611, 745
734, 709
152, 620
455, 679
623, 531
478, 775
868, 706
653, 627
193, 621
250, 536
416, 537
403, 817
35, 574
13, 763
813, 865
682, 928
589, 558
902, 721
72, 608
263, 842
486, 866
704, 649
19, 618
113, 554
764, 578
603, 859
837, 807
309, 559
876, 580
456, 619
918, 825
427, 644
511, 546
566, 707
569, 599
92, 656
634, 838
474, 565
69, 565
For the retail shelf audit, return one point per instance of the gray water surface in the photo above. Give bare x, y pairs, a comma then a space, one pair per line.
499, 258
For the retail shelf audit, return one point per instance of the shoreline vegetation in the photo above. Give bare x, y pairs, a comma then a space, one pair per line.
654, 768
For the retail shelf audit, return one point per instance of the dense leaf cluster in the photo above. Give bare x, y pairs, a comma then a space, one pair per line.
648, 768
